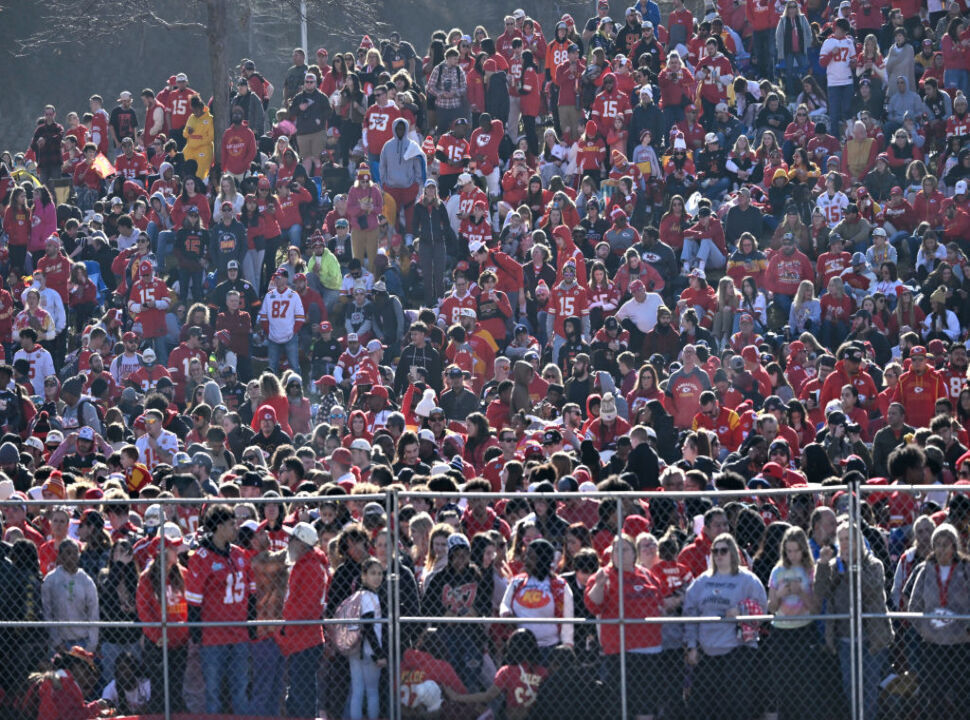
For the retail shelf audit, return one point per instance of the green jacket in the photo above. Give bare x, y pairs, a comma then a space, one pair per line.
327, 268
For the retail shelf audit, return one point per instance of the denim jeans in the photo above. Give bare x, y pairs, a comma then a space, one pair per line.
872, 670
558, 341
840, 100
294, 234
292, 349
364, 682
165, 248
230, 662
301, 699
267, 679
705, 252
190, 280
957, 78
795, 68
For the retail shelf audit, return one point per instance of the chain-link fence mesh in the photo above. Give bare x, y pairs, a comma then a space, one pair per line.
821, 603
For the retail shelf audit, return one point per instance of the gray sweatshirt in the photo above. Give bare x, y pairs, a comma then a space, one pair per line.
714, 595
67, 597
403, 163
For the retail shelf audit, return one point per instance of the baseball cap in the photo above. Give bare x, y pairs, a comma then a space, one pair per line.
960, 188
551, 437
86, 433
426, 434
304, 532
458, 542
373, 509
232, 265
360, 444
325, 326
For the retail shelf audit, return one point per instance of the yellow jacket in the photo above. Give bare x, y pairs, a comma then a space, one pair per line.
199, 145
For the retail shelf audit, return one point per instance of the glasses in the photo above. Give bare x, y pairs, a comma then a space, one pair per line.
720, 551
438, 418
800, 114
548, 376
512, 440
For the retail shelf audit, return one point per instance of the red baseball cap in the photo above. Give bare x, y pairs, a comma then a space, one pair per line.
379, 390
773, 470
327, 380
342, 456
917, 351
145, 268
129, 336
750, 353
796, 346
326, 327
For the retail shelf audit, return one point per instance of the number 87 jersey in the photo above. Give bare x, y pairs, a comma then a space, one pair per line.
220, 583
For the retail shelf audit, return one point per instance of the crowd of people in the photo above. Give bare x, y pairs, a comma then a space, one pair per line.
681, 253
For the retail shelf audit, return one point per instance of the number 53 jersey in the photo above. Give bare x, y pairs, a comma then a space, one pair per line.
220, 582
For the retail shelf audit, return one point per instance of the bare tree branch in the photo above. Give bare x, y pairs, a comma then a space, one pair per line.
173, 25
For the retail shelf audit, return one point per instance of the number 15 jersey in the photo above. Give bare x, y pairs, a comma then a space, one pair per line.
220, 583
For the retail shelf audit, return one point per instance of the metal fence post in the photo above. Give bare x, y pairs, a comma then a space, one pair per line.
618, 563
163, 603
394, 607
857, 690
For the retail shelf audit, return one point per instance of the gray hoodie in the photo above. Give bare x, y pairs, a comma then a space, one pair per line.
403, 163
713, 596
900, 103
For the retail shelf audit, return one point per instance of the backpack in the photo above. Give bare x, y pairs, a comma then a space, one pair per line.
346, 637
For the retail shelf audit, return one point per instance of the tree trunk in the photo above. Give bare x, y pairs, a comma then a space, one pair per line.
217, 30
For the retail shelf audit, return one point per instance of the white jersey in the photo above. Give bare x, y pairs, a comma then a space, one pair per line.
832, 207
838, 72
282, 310
167, 441
41, 365
123, 366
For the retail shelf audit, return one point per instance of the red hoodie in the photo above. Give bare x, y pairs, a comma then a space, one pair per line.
238, 148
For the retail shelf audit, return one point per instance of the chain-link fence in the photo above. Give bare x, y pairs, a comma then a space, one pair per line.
821, 603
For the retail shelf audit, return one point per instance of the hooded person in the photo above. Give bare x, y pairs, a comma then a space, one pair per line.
403, 169
522, 375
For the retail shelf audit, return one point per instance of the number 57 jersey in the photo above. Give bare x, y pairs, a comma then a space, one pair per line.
220, 582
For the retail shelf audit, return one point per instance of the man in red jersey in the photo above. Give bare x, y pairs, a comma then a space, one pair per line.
919, 389
378, 128
181, 357
148, 301
133, 165
721, 420
219, 587
568, 299
179, 109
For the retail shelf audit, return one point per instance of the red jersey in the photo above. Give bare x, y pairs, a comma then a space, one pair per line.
178, 107
520, 683
918, 394
456, 150
57, 270
146, 377
151, 320
567, 79
566, 302
608, 106
954, 381
727, 426
467, 200
483, 146
590, 154
684, 391
452, 305
378, 124
99, 131
178, 363
715, 69
220, 583
419, 667
133, 167
958, 126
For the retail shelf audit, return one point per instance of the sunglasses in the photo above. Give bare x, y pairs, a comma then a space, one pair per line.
720, 551
512, 440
